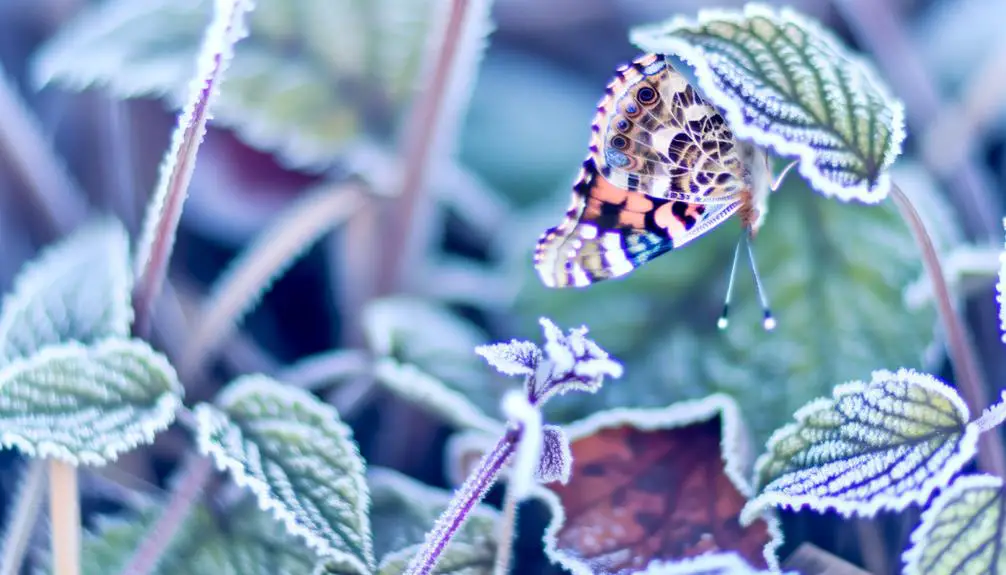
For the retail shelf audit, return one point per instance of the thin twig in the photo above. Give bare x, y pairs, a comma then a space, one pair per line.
184, 495
30, 495
465, 499
991, 456
274, 250
165, 208
53, 192
504, 539
417, 146
64, 511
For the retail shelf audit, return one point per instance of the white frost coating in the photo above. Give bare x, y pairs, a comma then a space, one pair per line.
314, 486
511, 358
525, 462
831, 472
707, 564
573, 362
86, 405
1001, 290
928, 522
993, 415
78, 289
556, 461
226, 29
424, 390
713, 70
733, 448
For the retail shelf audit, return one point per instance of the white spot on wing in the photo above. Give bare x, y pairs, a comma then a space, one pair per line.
614, 254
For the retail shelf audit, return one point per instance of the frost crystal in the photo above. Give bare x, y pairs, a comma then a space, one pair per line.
513, 358
572, 362
556, 460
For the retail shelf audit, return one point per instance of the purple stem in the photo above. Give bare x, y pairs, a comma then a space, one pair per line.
470, 494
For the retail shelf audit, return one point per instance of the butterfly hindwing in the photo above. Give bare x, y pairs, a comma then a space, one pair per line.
653, 133
609, 231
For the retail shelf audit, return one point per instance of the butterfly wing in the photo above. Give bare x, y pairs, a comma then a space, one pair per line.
609, 232
654, 134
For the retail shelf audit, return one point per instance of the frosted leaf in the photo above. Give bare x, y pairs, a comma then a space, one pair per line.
423, 390
962, 531
879, 445
78, 289
86, 405
656, 486
573, 362
1001, 291
403, 510
245, 541
292, 451
313, 77
460, 558
707, 564
556, 461
434, 339
511, 358
787, 84
525, 462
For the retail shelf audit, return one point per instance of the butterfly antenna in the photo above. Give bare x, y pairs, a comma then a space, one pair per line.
782, 175
723, 322
768, 321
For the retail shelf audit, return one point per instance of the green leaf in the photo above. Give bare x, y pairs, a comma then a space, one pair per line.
297, 457
75, 290
404, 510
834, 274
880, 445
246, 541
313, 76
87, 405
788, 84
962, 532
436, 341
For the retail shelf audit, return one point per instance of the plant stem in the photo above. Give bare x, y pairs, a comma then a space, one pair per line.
184, 495
504, 540
165, 208
466, 498
30, 494
419, 140
64, 511
991, 455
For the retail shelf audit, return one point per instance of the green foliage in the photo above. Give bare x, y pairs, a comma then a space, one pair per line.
962, 532
313, 76
834, 274
292, 451
787, 84
883, 444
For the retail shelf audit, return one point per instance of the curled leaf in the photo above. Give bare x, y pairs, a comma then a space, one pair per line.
87, 405
787, 84
298, 458
76, 290
878, 445
963, 531
573, 363
656, 486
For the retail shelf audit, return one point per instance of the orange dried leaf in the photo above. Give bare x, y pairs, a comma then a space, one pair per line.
656, 485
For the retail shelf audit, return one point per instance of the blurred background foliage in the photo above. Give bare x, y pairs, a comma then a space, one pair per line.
319, 93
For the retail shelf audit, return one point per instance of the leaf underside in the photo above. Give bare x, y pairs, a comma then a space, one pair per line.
787, 84
883, 444
962, 532
292, 451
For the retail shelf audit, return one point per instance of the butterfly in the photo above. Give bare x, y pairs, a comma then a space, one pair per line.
663, 169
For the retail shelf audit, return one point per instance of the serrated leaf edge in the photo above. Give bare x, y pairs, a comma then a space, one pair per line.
697, 58
209, 416
733, 449
920, 534
967, 447
162, 412
49, 261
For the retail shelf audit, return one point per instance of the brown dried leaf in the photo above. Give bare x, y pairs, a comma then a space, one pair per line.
656, 485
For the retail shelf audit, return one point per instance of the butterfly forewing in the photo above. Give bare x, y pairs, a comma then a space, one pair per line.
609, 231
654, 134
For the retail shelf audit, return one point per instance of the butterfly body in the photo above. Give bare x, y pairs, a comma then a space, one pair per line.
663, 169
